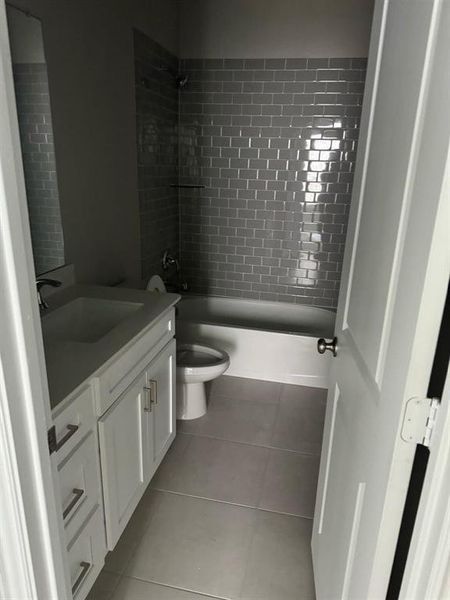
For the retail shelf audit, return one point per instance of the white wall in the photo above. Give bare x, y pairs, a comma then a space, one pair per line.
274, 28
26, 30
89, 50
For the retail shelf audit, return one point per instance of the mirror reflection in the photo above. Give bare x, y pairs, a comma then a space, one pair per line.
36, 137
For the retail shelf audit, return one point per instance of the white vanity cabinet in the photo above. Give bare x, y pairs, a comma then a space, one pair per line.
113, 429
134, 435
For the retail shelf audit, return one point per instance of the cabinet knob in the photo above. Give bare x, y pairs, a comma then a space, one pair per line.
323, 346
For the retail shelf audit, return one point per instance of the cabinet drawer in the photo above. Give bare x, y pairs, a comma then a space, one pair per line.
118, 375
75, 419
79, 481
86, 556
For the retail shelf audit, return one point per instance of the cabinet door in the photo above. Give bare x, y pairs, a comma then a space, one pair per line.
161, 384
126, 449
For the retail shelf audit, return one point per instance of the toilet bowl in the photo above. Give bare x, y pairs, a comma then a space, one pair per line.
196, 364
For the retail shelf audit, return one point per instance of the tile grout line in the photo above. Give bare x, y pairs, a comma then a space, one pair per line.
253, 445
174, 587
266, 467
266, 510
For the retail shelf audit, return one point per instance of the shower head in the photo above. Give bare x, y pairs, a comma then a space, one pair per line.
182, 80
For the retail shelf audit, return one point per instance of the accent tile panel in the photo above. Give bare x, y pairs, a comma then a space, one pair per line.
157, 145
274, 143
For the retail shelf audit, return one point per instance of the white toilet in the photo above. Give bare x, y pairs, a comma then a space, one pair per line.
196, 364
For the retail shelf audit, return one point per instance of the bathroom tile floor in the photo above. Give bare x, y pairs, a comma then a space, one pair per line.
228, 514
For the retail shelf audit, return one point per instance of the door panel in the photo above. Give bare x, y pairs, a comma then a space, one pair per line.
394, 280
385, 199
161, 376
126, 456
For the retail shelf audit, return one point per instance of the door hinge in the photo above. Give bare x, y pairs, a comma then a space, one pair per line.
51, 438
419, 420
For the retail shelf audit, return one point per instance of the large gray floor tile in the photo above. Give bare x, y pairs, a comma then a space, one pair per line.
117, 560
300, 419
267, 392
195, 544
290, 483
230, 419
134, 589
279, 565
104, 586
212, 468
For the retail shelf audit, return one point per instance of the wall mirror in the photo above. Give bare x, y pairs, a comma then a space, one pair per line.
36, 137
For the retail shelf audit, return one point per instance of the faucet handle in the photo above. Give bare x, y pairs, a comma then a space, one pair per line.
40, 283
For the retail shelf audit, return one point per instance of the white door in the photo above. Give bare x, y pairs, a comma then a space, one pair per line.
126, 456
31, 523
161, 382
395, 275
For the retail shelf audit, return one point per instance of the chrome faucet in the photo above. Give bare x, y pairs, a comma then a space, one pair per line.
40, 283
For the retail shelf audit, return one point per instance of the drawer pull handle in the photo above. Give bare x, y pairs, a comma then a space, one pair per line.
151, 395
148, 399
72, 430
154, 388
85, 566
77, 495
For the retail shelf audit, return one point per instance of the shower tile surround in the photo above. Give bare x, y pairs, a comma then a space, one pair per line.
157, 149
274, 143
38, 154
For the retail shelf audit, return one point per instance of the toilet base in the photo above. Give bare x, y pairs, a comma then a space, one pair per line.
191, 401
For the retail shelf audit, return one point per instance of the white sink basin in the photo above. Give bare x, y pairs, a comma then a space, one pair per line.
86, 320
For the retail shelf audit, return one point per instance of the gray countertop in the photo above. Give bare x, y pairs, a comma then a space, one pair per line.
69, 363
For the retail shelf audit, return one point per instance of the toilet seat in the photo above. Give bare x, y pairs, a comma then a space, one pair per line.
196, 356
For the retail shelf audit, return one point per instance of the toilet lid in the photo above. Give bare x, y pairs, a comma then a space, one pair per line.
156, 284
198, 355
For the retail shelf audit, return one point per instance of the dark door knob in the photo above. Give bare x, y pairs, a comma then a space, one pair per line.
323, 345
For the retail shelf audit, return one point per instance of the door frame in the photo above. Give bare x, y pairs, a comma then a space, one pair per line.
427, 568
31, 546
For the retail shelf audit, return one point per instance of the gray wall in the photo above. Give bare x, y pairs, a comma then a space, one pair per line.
274, 143
36, 138
89, 50
274, 28
157, 143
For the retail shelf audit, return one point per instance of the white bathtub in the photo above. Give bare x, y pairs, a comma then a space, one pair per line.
273, 341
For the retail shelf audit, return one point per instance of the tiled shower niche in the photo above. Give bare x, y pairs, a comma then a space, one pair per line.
273, 142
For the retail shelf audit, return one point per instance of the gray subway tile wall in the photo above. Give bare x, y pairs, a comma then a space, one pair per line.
273, 142
157, 147
38, 155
